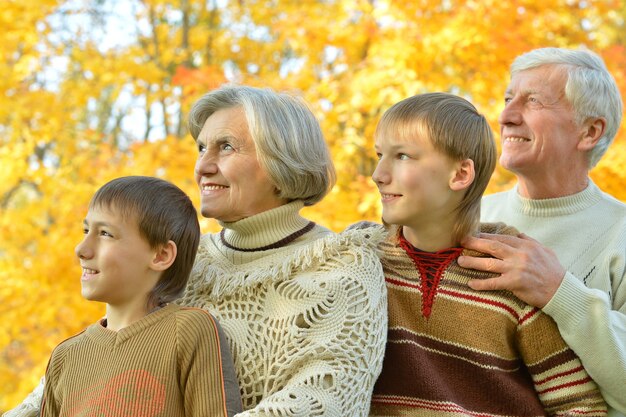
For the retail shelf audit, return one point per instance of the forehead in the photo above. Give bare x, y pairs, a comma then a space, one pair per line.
547, 80
402, 132
390, 141
230, 120
112, 213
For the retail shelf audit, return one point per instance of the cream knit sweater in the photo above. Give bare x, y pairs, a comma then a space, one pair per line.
306, 321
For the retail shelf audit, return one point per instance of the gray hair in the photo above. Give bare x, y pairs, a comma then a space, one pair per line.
590, 88
288, 138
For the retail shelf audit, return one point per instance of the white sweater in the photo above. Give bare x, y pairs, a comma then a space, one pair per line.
588, 233
306, 320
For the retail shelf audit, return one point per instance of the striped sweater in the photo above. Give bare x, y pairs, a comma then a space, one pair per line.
452, 351
166, 364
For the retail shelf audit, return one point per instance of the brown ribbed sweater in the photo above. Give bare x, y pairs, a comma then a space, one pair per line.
166, 364
453, 351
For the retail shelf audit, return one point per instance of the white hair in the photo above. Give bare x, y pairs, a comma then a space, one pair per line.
590, 88
288, 138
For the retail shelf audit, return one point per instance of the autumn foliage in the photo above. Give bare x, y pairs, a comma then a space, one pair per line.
92, 90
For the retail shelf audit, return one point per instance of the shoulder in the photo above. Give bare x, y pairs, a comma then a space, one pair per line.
191, 318
498, 228
65, 348
495, 197
195, 327
611, 203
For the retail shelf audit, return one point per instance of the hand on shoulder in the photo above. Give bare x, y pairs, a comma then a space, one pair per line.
528, 269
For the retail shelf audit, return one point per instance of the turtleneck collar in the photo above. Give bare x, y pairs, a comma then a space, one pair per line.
560, 206
264, 230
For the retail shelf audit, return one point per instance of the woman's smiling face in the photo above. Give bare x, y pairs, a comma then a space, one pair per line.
233, 184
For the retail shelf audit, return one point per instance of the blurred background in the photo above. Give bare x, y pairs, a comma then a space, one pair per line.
93, 90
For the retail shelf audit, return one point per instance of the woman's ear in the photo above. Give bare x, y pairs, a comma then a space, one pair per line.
164, 256
463, 175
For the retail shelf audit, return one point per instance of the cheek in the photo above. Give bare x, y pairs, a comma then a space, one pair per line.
196, 170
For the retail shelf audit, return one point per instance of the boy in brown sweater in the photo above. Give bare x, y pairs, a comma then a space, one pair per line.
147, 357
452, 351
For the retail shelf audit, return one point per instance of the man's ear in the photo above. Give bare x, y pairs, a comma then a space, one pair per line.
463, 175
164, 256
593, 130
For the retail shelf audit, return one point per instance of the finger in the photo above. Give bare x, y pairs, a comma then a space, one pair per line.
492, 247
515, 241
524, 236
481, 264
490, 284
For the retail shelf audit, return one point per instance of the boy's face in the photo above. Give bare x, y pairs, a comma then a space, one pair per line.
116, 259
413, 179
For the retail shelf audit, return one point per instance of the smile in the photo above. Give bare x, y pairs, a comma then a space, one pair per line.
516, 139
213, 187
89, 274
386, 197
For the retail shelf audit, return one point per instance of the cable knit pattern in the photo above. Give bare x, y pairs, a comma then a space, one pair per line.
306, 322
477, 354
587, 231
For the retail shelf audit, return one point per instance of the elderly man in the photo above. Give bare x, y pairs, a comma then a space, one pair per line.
562, 110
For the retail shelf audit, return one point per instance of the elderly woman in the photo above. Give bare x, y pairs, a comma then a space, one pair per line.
303, 308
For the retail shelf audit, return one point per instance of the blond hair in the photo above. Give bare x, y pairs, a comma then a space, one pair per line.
456, 129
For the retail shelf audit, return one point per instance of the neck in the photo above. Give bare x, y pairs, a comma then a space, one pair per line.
267, 230
431, 237
539, 188
119, 317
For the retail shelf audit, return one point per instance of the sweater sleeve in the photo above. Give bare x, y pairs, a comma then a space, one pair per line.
563, 385
31, 405
332, 368
596, 330
201, 359
50, 406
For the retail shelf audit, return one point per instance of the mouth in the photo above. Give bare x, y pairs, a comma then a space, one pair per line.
212, 187
516, 139
89, 274
388, 197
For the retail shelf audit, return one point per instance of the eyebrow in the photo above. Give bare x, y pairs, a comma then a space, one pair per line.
98, 224
524, 92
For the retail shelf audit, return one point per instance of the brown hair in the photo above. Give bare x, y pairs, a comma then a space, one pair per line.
163, 212
456, 129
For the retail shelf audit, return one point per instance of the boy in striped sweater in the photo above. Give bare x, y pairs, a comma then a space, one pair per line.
452, 351
147, 357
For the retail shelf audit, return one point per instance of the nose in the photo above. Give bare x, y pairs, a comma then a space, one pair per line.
205, 165
511, 114
83, 250
381, 174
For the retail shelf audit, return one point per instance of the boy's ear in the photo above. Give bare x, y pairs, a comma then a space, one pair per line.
463, 175
593, 131
164, 256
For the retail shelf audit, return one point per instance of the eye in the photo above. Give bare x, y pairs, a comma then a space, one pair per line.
403, 156
85, 230
226, 147
105, 233
379, 155
201, 148
507, 100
